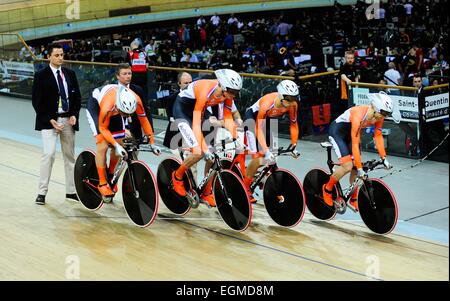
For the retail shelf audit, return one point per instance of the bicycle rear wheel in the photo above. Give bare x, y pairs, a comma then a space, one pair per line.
175, 203
141, 205
312, 185
86, 181
284, 198
226, 164
381, 214
232, 200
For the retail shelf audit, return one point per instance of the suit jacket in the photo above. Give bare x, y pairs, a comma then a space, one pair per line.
45, 97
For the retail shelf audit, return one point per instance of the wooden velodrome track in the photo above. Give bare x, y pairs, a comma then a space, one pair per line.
38, 240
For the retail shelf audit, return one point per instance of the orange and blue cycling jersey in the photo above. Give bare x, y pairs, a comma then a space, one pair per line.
264, 109
105, 120
345, 134
192, 103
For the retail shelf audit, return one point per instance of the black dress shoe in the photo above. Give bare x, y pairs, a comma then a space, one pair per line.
40, 200
72, 197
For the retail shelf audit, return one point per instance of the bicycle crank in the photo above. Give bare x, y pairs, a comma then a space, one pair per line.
193, 199
340, 205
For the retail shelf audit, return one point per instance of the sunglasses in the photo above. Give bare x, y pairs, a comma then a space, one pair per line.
232, 92
290, 98
385, 113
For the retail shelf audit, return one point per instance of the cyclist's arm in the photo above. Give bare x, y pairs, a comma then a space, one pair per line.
236, 115
355, 135
293, 124
106, 106
378, 137
140, 111
228, 118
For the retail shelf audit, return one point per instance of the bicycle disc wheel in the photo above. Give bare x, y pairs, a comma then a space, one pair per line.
234, 206
226, 164
382, 217
284, 198
141, 205
86, 181
312, 185
175, 203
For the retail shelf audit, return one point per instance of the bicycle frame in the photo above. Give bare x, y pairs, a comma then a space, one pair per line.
357, 183
131, 149
259, 176
213, 171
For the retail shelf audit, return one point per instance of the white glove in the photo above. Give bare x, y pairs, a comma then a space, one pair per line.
120, 151
361, 173
209, 156
240, 147
156, 150
269, 158
386, 163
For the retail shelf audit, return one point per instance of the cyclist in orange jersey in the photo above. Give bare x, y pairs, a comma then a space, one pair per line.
108, 111
344, 134
272, 105
189, 110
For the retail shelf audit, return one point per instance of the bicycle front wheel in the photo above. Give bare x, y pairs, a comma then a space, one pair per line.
378, 209
232, 200
284, 198
141, 199
86, 181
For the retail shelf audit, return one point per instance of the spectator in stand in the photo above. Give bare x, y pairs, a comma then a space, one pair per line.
284, 29
232, 20
347, 75
434, 52
393, 78
419, 56
201, 21
188, 57
215, 20
137, 59
408, 9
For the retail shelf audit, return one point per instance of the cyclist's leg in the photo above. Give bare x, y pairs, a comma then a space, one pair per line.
182, 112
343, 152
250, 137
100, 162
354, 196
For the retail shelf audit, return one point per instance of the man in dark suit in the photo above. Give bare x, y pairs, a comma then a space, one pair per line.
184, 79
56, 99
124, 77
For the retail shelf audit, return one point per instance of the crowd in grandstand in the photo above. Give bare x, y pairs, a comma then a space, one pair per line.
407, 33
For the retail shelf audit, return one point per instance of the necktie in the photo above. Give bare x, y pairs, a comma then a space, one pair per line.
62, 92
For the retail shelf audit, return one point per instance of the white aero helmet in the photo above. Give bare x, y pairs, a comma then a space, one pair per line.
288, 89
126, 101
382, 103
229, 80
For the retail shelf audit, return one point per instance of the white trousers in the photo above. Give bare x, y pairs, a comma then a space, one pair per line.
49, 139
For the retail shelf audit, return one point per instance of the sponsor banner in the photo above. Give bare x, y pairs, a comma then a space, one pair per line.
406, 108
436, 107
15, 71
